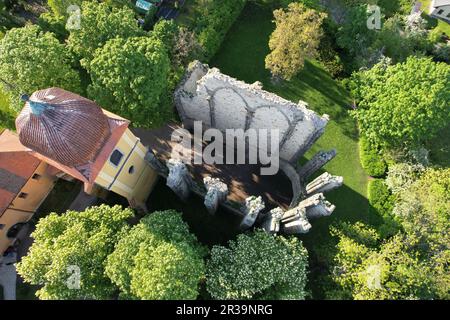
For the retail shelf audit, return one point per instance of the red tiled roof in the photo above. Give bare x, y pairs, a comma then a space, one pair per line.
63, 126
17, 165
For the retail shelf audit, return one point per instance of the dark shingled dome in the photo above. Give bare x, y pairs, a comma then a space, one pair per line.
62, 126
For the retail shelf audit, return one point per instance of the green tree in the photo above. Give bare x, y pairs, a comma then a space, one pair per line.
31, 60
60, 7
99, 23
295, 38
424, 209
129, 77
71, 242
158, 259
393, 270
404, 104
258, 265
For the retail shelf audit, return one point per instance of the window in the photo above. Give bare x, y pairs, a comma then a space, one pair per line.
116, 157
448, 15
131, 170
440, 11
23, 195
36, 176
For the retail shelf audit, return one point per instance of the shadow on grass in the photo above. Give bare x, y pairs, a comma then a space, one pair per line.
242, 56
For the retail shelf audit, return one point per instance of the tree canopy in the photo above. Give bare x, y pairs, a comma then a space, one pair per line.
101, 22
158, 259
365, 269
128, 78
296, 37
258, 265
402, 104
70, 243
32, 60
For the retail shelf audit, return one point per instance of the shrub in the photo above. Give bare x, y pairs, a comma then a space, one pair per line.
401, 175
371, 160
214, 21
382, 204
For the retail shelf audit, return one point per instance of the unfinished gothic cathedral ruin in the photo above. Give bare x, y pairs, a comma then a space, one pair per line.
282, 203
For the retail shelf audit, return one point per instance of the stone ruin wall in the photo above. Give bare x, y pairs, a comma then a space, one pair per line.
222, 102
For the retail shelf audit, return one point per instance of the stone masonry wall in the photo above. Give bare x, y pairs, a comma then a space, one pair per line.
222, 102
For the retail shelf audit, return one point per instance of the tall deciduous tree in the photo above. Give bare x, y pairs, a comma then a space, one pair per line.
129, 77
403, 104
60, 7
69, 253
365, 269
99, 23
158, 259
31, 60
296, 37
258, 266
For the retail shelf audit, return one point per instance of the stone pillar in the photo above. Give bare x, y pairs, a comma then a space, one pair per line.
179, 179
299, 226
217, 192
253, 206
324, 183
316, 162
317, 206
271, 223
294, 221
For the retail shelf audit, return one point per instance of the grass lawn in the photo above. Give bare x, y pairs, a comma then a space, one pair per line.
242, 56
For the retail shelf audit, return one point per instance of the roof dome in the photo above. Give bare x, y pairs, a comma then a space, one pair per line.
62, 126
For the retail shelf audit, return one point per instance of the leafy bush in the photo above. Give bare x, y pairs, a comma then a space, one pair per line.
402, 175
158, 259
214, 21
382, 204
258, 265
371, 160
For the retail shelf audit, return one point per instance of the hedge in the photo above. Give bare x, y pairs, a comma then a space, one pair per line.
214, 22
371, 160
381, 204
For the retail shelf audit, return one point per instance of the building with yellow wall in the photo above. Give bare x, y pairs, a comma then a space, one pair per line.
61, 134
76, 136
25, 182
